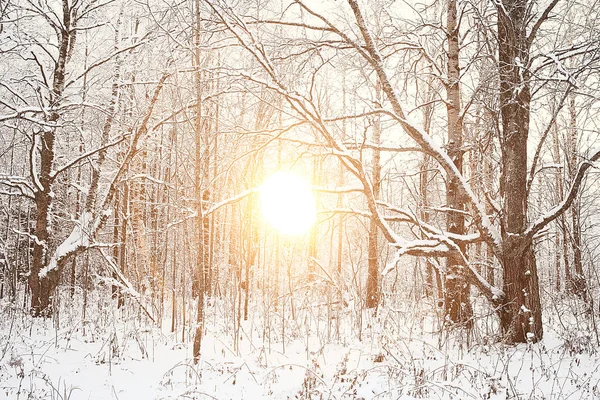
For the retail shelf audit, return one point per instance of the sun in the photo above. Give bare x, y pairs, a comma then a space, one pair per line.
288, 203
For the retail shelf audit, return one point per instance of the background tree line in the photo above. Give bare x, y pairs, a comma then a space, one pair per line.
450, 146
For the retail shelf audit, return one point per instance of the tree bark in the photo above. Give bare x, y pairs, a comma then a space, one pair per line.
521, 314
200, 219
578, 282
373, 293
457, 290
42, 289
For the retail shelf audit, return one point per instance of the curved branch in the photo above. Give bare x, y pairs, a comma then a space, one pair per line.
540, 21
561, 207
538, 150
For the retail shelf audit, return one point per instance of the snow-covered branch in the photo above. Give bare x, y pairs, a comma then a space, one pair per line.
19, 183
83, 156
78, 240
428, 229
375, 59
90, 221
565, 203
129, 289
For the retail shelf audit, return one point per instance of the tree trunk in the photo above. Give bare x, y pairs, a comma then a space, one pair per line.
42, 288
578, 282
123, 236
488, 176
431, 271
373, 245
312, 240
561, 227
457, 300
200, 219
521, 314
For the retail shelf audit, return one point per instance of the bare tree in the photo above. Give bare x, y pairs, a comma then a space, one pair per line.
511, 241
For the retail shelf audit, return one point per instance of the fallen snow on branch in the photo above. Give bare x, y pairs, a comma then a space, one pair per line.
80, 237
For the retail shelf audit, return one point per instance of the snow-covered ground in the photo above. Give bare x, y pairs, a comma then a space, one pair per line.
117, 355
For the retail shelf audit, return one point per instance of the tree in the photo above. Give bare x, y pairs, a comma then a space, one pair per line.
457, 302
46, 110
511, 241
373, 292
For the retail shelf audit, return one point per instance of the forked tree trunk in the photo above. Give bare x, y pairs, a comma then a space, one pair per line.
521, 314
42, 289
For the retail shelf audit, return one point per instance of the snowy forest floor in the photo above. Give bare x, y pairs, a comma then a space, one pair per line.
119, 354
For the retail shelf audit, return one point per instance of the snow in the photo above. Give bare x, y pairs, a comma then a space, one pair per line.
30, 236
561, 68
422, 245
79, 237
481, 215
117, 354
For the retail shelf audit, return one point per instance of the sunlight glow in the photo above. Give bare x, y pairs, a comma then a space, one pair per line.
288, 203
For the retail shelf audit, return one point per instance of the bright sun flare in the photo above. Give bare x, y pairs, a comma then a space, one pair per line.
288, 203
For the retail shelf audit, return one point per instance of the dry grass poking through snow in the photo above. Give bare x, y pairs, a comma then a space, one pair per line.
117, 354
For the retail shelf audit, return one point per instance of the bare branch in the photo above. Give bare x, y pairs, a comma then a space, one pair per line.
90, 153
543, 138
561, 207
540, 21
484, 224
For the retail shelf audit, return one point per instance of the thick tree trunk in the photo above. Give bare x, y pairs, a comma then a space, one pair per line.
39, 303
521, 314
42, 288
